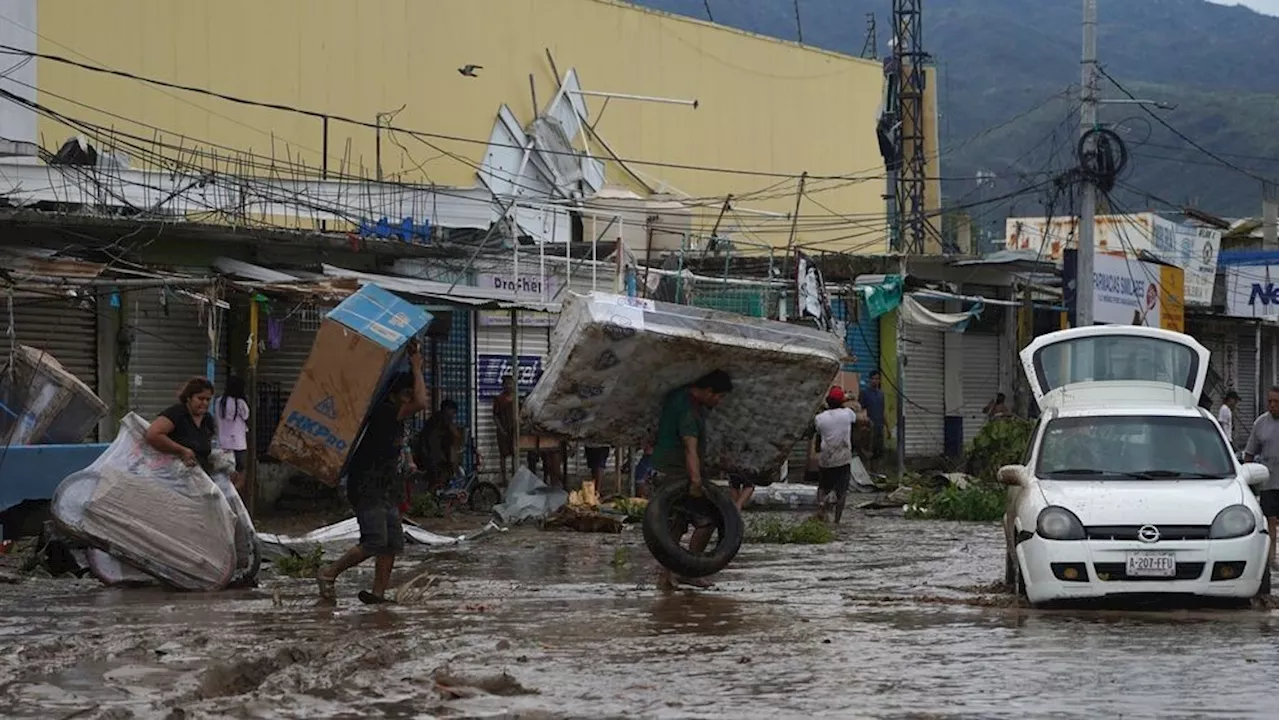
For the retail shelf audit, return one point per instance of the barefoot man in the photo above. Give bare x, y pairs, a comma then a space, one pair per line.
677, 456
372, 486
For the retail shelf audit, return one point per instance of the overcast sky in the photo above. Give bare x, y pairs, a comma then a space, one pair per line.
1270, 7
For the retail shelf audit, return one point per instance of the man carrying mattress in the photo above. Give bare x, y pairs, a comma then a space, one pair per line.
677, 457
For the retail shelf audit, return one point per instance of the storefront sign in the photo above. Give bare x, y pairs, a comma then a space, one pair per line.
523, 287
1253, 291
502, 318
1131, 292
490, 370
1194, 249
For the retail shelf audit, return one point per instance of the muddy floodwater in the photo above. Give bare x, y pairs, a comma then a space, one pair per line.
897, 619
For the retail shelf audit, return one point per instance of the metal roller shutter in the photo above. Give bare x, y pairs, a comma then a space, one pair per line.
1247, 378
280, 367
66, 328
980, 376
170, 344
924, 387
492, 356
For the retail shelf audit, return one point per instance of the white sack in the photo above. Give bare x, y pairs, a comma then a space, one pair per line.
148, 509
613, 360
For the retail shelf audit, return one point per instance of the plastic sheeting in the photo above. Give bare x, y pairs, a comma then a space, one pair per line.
348, 532
614, 359
528, 498
154, 513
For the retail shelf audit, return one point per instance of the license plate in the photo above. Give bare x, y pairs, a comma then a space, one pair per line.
1151, 564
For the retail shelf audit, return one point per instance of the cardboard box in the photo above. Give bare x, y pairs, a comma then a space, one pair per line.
359, 346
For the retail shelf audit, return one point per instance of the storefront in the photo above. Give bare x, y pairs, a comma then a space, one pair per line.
169, 343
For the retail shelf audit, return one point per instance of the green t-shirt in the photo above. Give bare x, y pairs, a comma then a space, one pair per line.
681, 418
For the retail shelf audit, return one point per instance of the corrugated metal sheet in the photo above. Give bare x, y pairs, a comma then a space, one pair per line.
169, 346
980, 377
1247, 378
494, 340
66, 328
283, 365
924, 388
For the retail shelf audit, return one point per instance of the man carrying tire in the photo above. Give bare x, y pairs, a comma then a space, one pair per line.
677, 458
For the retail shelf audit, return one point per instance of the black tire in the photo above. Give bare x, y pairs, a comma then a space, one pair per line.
1264, 587
484, 496
665, 502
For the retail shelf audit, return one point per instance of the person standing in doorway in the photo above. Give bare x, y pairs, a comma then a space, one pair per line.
504, 419
1264, 447
372, 486
233, 426
678, 456
872, 401
997, 408
1227, 415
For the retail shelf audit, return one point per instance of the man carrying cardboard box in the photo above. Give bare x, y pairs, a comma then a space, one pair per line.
372, 484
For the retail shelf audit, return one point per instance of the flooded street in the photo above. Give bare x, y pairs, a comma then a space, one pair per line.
896, 619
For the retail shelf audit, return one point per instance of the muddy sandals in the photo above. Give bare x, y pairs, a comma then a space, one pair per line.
369, 598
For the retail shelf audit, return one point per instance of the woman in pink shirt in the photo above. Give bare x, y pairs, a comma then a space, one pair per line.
232, 413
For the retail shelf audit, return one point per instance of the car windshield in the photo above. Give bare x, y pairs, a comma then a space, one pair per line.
1133, 447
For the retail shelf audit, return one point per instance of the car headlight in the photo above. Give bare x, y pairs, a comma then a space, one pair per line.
1059, 523
1233, 522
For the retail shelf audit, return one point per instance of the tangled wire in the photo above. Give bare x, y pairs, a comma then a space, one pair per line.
1102, 156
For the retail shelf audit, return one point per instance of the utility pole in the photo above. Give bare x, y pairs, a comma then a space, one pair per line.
1089, 198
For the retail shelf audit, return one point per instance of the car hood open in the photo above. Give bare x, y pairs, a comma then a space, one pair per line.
1143, 502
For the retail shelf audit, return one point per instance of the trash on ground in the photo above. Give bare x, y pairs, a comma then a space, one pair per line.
154, 513
613, 359
790, 495
528, 498
587, 497
348, 532
582, 520
358, 348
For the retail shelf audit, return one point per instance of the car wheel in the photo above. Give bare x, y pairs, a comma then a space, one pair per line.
1010, 569
1264, 587
1019, 584
669, 503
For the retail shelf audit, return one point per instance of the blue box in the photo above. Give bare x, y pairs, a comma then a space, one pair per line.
382, 317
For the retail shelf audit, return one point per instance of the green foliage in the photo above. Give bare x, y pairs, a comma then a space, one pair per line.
999, 443
979, 502
301, 566
633, 508
425, 505
782, 532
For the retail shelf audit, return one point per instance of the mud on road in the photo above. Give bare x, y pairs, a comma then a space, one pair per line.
897, 619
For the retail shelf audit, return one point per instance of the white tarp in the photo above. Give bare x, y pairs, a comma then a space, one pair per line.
528, 498
348, 532
918, 315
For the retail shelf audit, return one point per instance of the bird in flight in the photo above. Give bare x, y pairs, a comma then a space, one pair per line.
469, 70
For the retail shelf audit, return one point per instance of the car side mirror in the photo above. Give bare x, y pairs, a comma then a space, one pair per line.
1012, 475
1256, 473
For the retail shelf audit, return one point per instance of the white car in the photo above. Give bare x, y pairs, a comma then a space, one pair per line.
1128, 486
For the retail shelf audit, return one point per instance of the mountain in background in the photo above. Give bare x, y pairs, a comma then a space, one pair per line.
1001, 62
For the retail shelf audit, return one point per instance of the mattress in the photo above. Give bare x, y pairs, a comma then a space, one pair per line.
613, 359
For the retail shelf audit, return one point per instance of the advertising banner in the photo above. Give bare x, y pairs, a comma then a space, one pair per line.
1194, 249
1130, 292
490, 370
1253, 291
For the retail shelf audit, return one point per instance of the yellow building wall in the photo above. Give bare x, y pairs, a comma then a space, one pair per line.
764, 105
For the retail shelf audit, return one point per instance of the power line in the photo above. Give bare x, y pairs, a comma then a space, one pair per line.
1179, 133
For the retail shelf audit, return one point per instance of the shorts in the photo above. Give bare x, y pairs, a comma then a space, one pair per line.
240, 456
737, 482
597, 457
690, 512
381, 532
1269, 499
835, 480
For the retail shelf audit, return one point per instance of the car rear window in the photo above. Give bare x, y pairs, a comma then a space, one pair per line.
1133, 447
